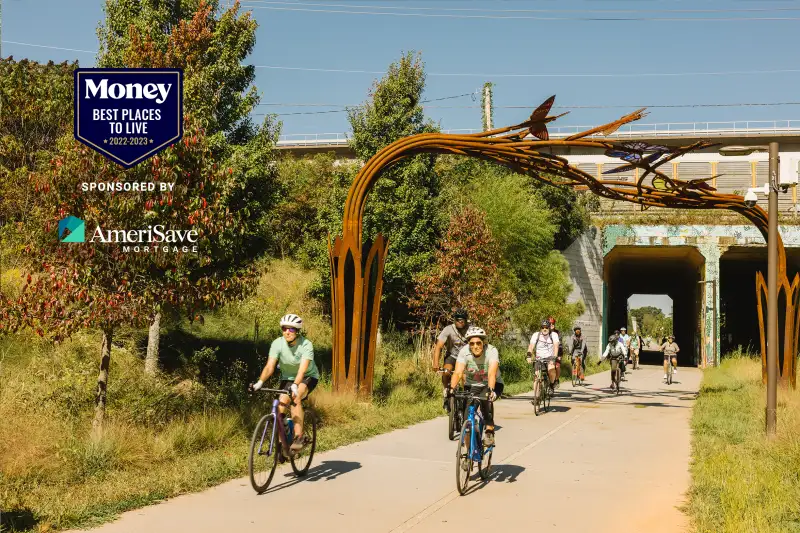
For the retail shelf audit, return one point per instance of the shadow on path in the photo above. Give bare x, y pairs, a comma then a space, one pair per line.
326, 470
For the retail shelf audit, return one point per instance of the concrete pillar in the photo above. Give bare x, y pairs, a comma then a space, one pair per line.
712, 253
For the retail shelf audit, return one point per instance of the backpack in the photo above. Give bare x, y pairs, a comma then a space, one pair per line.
615, 352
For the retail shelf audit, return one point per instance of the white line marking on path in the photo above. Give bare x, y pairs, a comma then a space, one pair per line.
431, 509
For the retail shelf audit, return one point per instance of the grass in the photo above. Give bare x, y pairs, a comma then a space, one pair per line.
189, 427
742, 481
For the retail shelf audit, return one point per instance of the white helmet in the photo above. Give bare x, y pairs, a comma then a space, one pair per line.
292, 321
474, 331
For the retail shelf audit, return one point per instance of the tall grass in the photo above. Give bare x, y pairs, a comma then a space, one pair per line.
742, 481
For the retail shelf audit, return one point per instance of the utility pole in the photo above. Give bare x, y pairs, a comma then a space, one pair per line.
487, 106
772, 293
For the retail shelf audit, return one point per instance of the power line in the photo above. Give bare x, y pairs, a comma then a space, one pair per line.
524, 17
484, 75
350, 106
474, 9
500, 75
51, 47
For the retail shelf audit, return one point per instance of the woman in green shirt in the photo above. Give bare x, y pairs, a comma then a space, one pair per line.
295, 354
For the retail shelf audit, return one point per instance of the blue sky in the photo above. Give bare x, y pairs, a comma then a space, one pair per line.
490, 47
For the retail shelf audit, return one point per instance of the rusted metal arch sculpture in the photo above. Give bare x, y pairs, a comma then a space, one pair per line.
357, 267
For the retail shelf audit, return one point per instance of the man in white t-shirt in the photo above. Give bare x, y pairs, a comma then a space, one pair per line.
545, 344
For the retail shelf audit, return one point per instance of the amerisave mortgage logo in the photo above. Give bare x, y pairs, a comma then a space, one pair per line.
128, 115
151, 239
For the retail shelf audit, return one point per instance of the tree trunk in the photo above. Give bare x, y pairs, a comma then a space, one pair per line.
151, 360
102, 383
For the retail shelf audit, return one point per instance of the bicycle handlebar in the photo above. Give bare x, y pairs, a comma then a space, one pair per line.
280, 391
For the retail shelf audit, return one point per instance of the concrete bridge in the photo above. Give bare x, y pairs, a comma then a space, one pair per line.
661, 251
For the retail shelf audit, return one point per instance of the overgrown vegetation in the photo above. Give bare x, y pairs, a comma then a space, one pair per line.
741, 480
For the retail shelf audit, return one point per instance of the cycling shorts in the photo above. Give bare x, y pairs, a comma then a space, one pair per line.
309, 382
450, 360
668, 355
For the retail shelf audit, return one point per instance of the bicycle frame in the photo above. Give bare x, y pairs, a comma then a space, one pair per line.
475, 418
278, 427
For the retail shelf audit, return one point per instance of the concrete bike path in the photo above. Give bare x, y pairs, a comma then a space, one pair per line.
610, 463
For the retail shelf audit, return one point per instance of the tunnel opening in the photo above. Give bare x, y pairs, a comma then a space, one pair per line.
738, 311
668, 270
650, 315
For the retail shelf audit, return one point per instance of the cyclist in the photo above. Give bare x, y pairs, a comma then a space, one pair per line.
615, 353
546, 345
635, 348
560, 354
453, 337
578, 348
480, 362
670, 349
295, 354
625, 339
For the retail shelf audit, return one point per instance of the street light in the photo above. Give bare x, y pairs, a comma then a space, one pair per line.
770, 188
713, 283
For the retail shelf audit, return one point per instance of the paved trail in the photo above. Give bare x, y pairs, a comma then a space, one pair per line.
607, 463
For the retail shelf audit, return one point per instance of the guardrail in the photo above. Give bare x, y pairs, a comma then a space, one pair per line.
656, 130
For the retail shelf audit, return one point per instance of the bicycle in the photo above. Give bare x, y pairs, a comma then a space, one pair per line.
615, 375
670, 370
270, 426
456, 408
470, 445
577, 370
541, 391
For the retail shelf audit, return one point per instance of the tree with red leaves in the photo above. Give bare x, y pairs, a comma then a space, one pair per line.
465, 275
105, 284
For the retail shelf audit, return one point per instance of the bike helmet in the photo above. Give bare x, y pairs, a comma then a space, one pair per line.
671, 337
475, 332
576, 328
292, 321
623, 328
460, 314
612, 338
552, 321
545, 324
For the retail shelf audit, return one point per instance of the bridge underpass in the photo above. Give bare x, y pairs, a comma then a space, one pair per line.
671, 270
738, 312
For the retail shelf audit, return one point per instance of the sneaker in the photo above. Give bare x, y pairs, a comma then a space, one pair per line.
488, 439
665, 376
674, 370
298, 444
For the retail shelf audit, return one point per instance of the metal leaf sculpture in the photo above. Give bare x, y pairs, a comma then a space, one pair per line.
356, 269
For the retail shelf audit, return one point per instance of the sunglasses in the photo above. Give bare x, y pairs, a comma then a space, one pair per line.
293, 330
476, 343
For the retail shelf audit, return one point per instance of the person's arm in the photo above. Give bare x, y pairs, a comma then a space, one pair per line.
458, 371
556, 344
531, 347
437, 350
269, 369
494, 366
584, 348
676, 347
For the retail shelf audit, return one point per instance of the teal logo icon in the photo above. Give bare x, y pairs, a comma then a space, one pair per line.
76, 228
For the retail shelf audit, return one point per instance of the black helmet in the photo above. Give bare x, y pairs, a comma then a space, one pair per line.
576, 328
612, 338
460, 313
545, 324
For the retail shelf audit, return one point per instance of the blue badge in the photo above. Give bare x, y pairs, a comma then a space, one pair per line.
128, 114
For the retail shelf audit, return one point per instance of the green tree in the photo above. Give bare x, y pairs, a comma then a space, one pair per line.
195, 35
465, 274
103, 285
404, 203
36, 101
209, 45
524, 227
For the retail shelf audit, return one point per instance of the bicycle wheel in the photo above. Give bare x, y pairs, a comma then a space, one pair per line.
452, 419
261, 472
669, 374
485, 466
575, 375
547, 395
617, 380
301, 460
463, 459
537, 391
